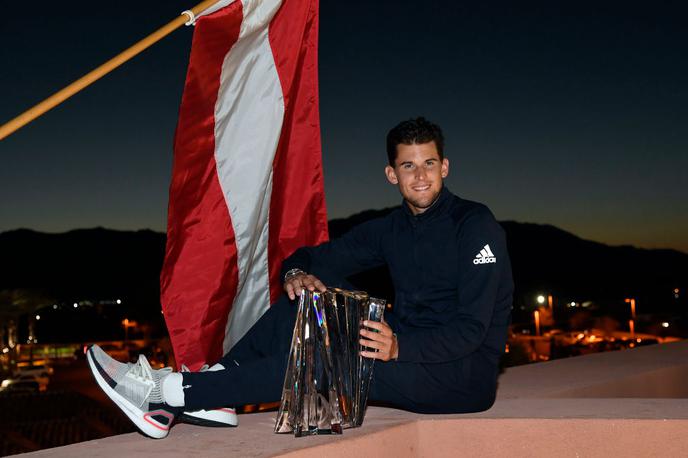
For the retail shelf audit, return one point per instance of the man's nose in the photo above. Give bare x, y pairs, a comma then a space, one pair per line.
421, 173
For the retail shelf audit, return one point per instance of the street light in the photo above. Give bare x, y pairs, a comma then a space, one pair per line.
541, 299
631, 323
125, 323
632, 302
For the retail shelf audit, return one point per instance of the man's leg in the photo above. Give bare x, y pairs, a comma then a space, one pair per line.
254, 367
466, 385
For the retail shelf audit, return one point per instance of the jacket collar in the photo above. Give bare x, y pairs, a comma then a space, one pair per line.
437, 207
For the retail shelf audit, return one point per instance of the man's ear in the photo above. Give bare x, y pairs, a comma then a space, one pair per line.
391, 175
445, 167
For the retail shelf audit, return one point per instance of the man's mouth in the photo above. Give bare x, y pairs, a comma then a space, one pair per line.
421, 188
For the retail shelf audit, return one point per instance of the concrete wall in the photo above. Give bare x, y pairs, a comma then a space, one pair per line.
626, 403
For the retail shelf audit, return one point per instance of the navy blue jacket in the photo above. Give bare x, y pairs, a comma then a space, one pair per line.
451, 275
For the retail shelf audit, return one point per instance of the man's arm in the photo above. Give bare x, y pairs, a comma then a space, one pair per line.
481, 287
358, 250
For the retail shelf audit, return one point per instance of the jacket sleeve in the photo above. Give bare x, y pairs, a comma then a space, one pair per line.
357, 250
479, 285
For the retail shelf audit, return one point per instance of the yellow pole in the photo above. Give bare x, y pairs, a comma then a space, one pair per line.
86, 80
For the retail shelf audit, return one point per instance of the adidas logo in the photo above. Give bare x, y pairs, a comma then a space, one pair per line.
485, 256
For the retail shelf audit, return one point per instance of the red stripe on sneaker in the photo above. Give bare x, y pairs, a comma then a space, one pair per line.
148, 417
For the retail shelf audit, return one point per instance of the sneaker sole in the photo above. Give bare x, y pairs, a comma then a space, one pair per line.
188, 417
137, 416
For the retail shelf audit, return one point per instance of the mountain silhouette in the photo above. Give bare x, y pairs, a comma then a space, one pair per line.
101, 263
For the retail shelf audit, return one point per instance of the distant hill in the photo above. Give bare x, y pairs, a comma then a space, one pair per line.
102, 263
84, 264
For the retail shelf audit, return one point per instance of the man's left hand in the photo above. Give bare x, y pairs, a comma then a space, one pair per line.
384, 341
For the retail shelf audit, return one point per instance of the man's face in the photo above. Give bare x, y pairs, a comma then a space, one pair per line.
418, 171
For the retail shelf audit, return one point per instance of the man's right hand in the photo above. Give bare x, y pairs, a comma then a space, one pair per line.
296, 283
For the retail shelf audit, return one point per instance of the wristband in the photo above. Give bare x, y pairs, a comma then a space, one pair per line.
293, 273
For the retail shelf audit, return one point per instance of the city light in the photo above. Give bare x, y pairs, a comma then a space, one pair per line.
54, 306
632, 302
541, 299
665, 324
76, 305
38, 317
5, 350
119, 301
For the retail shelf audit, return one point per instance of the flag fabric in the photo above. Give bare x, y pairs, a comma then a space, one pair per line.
247, 182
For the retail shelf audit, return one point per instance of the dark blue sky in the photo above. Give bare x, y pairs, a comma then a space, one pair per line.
572, 113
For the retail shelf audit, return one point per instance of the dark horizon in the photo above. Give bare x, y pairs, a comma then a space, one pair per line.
343, 219
571, 114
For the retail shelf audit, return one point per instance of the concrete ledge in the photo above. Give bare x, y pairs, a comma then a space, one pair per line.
406, 438
627, 402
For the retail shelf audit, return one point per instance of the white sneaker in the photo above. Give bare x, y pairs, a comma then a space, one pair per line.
222, 417
135, 389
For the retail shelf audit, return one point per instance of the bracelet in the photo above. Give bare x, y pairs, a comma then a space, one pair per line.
293, 273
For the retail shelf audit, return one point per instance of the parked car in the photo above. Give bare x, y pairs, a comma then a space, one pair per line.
39, 370
24, 383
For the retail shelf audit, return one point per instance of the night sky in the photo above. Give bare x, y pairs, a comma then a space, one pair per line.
571, 113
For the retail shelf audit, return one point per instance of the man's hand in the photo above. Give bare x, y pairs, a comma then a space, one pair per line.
294, 284
384, 341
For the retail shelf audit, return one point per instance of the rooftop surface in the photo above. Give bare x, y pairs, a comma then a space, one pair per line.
633, 402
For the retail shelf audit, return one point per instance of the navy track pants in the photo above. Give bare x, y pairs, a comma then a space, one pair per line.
255, 368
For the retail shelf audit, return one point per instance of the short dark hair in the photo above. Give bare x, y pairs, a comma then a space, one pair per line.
414, 131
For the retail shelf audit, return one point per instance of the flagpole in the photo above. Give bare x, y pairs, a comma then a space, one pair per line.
91, 77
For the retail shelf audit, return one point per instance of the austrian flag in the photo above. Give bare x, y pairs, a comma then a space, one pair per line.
247, 183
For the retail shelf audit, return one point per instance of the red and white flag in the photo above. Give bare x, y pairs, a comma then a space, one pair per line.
247, 183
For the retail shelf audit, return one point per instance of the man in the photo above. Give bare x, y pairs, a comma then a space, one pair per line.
440, 345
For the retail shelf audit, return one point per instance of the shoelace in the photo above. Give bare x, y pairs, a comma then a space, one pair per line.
143, 371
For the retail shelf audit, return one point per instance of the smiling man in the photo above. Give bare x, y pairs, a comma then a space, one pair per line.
439, 346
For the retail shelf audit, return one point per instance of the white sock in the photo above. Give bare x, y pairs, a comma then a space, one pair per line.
217, 367
172, 391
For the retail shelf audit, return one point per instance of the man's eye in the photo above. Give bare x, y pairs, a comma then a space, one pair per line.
407, 166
